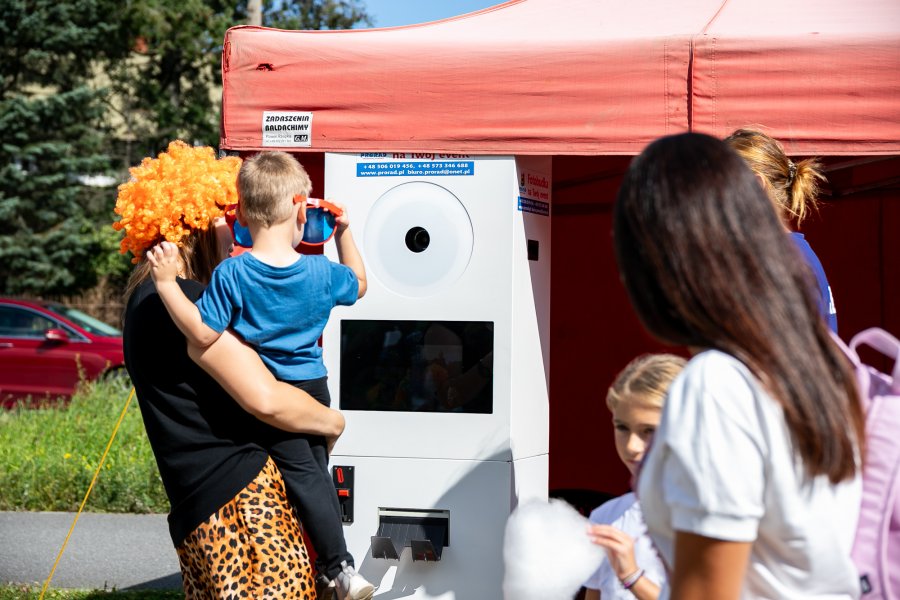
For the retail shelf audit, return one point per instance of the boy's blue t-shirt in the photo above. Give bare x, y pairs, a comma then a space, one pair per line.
280, 311
826, 300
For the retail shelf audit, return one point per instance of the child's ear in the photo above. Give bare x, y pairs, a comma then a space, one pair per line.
301, 214
239, 215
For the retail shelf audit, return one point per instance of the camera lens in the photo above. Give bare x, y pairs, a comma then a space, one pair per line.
417, 239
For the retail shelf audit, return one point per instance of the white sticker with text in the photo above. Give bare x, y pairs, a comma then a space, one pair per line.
286, 129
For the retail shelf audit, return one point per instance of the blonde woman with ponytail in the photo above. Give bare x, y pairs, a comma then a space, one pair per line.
793, 188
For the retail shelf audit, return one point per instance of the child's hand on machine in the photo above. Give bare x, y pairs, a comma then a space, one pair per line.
164, 262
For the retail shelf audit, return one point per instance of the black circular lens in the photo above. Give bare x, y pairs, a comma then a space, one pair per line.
417, 239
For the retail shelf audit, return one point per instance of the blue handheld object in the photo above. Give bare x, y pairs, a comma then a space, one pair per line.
319, 228
241, 235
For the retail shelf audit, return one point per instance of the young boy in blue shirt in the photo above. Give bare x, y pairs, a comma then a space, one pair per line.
279, 301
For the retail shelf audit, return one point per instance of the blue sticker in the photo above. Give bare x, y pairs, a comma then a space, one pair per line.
534, 206
415, 169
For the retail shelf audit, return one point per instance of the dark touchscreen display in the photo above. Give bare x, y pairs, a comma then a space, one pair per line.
417, 366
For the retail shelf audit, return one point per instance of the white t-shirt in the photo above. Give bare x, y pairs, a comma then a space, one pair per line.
722, 466
624, 513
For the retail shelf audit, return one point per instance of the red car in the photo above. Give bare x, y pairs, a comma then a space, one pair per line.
46, 348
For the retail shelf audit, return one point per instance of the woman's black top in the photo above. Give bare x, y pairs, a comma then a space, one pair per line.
200, 436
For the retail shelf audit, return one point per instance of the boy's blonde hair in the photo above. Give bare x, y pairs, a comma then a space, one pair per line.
267, 184
645, 379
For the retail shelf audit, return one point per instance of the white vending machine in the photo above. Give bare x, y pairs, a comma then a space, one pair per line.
442, 369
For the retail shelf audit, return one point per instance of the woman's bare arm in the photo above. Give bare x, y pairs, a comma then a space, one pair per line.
242, 374
708, 568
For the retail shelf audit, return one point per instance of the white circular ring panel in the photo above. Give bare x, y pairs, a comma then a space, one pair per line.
394, 240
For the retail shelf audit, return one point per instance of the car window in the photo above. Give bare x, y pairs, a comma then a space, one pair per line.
15, 322
86, 321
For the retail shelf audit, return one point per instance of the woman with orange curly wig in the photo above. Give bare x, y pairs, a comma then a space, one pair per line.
233, 528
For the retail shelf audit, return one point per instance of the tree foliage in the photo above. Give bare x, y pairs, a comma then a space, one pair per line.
53, 133
312, 14
170, 88
52, 44
92, 87
166, 90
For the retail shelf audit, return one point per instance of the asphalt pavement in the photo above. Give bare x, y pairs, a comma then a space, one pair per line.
105, 551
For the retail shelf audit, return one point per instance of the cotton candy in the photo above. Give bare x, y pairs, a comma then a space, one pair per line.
546, 552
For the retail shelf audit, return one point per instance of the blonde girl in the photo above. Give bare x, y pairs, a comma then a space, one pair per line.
635, 399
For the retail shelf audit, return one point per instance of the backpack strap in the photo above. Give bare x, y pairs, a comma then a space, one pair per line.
850, 354
884, 342
859, 369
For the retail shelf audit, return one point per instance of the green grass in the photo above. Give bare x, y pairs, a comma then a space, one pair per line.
20, 592
48, 457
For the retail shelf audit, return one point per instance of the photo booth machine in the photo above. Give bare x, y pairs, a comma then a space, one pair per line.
442, 369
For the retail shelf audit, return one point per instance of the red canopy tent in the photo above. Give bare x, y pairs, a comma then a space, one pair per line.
581, 77
591, 82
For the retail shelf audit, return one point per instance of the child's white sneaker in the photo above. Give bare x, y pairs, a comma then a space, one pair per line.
350, 585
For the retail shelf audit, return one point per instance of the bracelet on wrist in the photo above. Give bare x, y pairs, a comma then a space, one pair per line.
629, 581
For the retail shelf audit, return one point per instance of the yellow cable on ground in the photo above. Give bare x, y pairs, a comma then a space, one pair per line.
88, 493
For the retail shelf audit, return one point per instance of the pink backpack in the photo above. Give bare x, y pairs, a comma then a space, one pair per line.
876, 550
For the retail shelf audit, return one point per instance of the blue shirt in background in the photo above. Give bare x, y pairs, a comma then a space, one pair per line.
826, 300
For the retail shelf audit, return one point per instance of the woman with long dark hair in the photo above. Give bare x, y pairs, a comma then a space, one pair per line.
752, 486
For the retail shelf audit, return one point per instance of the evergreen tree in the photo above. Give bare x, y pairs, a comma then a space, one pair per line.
315, 14
91, 87
53, 135
170, 88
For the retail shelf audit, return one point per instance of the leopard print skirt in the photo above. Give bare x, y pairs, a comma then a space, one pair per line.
250, 548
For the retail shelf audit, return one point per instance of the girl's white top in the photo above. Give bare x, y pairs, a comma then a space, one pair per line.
722, 466
624, 513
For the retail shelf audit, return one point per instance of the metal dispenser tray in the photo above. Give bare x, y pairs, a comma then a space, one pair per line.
425, 532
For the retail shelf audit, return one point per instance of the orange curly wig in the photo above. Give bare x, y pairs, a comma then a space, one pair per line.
180, 191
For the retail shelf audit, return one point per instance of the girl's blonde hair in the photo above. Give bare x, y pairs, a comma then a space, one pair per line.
647, 378
793, 187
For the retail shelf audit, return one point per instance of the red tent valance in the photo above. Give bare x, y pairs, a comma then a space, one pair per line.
576, 77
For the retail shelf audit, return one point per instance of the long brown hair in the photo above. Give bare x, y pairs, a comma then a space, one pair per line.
706, 263
199, 255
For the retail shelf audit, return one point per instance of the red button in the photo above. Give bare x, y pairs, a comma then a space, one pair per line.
344, 493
